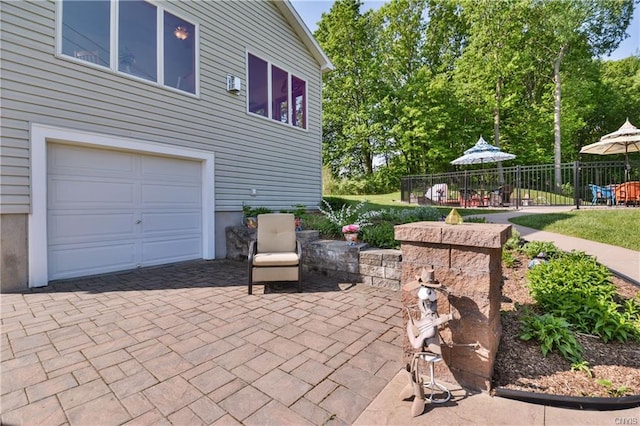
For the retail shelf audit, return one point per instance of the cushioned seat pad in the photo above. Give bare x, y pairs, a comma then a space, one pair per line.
275, 259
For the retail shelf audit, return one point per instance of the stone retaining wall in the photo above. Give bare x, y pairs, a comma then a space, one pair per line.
359, 263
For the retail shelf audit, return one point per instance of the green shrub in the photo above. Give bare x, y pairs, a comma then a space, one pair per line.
617, 392
567, 190
553, 333
631, 308
423, 213
300, 210
582, 366
578, 289
381, 235
249, 211
508, 259
322, 225
383, 181
349, 214
329, 182
400, 216
335, 203
472, 219
532, 248
514, 242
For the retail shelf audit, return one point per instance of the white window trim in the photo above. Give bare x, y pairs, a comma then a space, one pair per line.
290, 73
113, 46
41, 134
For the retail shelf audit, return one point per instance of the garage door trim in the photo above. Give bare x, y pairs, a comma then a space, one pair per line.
41, 134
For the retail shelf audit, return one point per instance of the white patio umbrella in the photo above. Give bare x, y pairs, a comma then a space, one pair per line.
623, 141
482, 152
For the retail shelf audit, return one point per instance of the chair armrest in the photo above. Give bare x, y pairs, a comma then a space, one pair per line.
299, 251
253, 248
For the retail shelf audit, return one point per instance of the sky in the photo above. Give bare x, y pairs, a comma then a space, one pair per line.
311, 10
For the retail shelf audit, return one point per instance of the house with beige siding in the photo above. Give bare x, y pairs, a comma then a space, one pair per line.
132, 132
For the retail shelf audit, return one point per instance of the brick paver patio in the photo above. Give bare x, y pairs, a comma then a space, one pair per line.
184, 344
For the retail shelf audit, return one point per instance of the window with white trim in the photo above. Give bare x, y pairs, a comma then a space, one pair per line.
276, 93
151, 43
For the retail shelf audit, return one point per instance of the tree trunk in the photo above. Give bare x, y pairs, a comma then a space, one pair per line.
496, 126
557, 143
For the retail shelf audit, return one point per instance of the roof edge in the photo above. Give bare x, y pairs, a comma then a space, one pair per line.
300, 28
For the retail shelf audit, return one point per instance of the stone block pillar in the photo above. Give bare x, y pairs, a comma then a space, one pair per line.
467, 260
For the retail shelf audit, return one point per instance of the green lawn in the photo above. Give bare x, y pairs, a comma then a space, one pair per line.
385, 201
619, 227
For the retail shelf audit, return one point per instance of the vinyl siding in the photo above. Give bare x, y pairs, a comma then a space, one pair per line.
283, 163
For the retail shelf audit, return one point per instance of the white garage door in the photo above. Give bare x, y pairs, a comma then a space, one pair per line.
112, 210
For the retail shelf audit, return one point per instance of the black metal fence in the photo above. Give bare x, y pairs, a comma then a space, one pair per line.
582, 184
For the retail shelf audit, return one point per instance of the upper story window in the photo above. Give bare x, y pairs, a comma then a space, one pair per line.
86, 30
276, 93
132, 37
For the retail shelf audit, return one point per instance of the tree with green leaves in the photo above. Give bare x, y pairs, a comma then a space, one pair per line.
417, 81
562, 25
351, 91
489, 71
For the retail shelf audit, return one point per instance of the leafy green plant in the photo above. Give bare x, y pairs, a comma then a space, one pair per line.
582, 366
578, 289
553, 333
321, 224
400, 216
348, 214
567, 189
336, 203
631, 308
514, 242
300, 210
472, 219
249, 211
532, 248
617, 392
260, 210
381, 235
509, 259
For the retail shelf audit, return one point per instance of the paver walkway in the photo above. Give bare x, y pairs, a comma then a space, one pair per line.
185, 344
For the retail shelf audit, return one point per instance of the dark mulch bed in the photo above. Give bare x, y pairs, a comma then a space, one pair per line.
520, 365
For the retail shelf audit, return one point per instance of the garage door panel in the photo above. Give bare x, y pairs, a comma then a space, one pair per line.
156, 252
79, 260
176, 222
74, 160
165, 169
67, 227
121, 211
86, 193
171, 195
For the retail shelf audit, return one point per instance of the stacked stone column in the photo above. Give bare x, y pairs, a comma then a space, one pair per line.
467, 260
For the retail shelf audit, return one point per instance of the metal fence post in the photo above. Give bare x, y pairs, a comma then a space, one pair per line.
466, 173
518, 185
576, 184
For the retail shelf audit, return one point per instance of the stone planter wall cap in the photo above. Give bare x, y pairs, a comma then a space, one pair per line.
490, 235
575, 402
